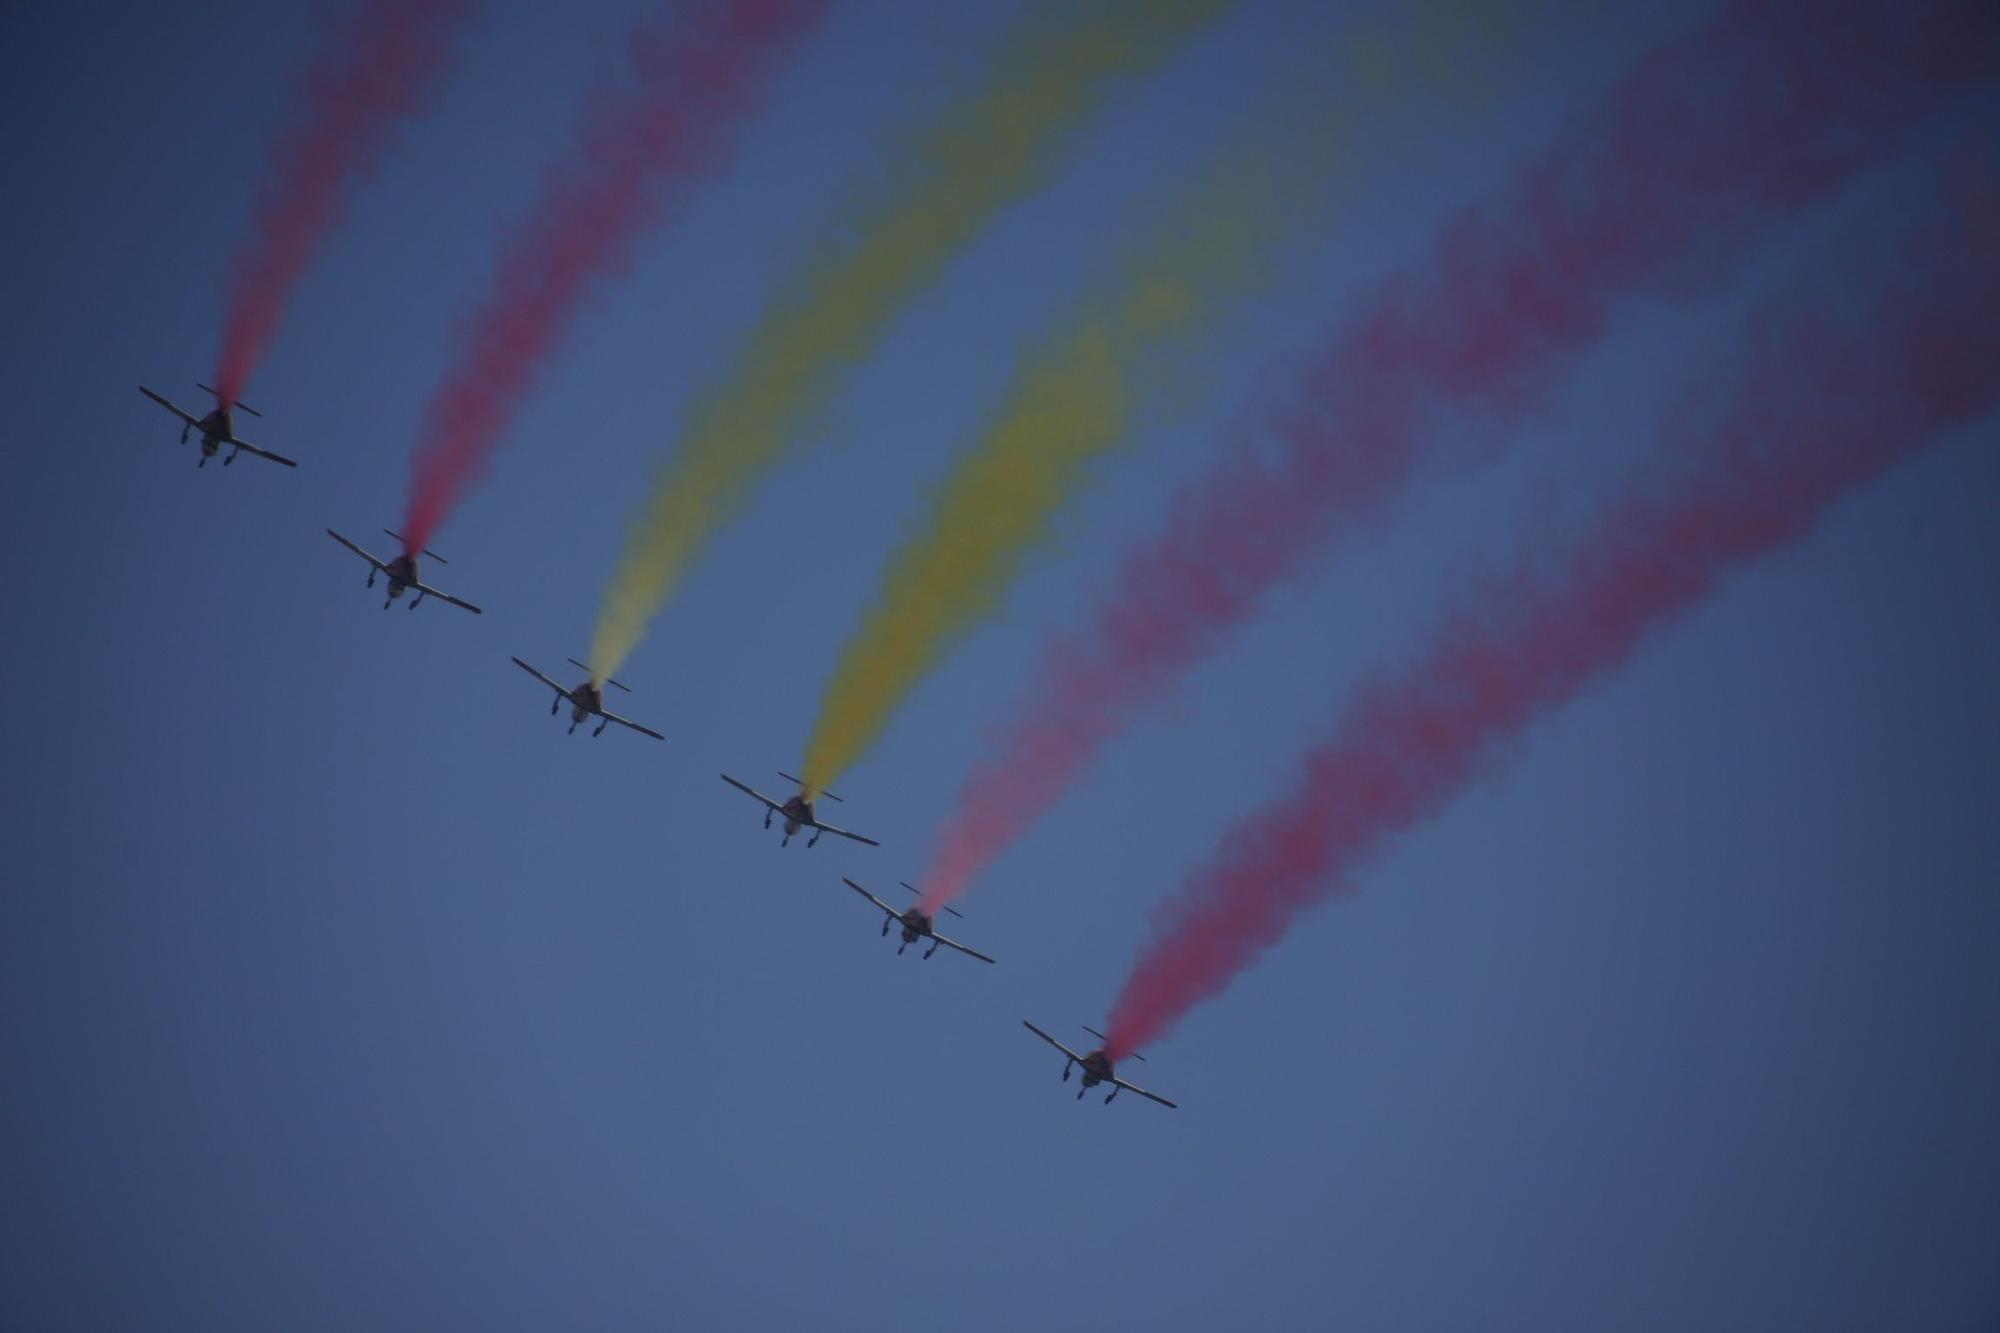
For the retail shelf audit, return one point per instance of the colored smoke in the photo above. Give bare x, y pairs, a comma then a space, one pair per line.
1821, 401
1079, 394
978, 156
1665, 183
374, 73
696, 79
1073, 400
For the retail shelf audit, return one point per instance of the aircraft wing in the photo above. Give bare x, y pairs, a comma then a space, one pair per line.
621, 721
180, 412
954, 944
828, 828
544, 679
1153, 1096
250, 448
1058, 1045
363, 554
429, 591
888, 910
752, 791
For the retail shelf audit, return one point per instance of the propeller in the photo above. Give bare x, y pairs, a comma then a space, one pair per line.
218, 398
607, 680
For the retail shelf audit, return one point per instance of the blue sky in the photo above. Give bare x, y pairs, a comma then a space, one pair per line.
341, 988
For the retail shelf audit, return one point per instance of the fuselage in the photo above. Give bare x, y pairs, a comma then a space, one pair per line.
915, 926
1096, 1068
798, 814
403, 575
585, 700
217, 429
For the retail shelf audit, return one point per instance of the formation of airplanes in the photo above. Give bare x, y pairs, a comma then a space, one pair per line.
586, 700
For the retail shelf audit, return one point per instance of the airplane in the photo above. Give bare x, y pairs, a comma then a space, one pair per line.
587, 700
916, 925
403, 574
798, 812
1096, 1067
217, 429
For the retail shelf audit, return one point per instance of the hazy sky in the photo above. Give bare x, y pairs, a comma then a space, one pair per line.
340, 989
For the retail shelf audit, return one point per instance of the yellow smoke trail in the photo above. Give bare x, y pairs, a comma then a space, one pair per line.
1073, 401
994, 147
1076, 397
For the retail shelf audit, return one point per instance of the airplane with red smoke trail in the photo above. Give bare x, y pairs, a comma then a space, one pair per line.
916, 925
1096, 1066
798, 812
217, 429
405, 573
587, 701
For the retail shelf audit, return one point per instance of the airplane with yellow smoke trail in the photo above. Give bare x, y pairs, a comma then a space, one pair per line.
798, 812
587, 701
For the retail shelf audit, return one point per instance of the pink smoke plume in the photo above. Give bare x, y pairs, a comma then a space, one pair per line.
376, 72
696, 84
1820, 402
1669, 179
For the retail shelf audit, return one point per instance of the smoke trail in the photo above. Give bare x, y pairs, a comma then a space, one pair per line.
697, 82
1075, 398
1674, 175
374, 73
989, 150
1071, 402
1819, 409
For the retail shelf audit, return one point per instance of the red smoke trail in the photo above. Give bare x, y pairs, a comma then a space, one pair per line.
375, 73
695, 86
1670, 178
1823, 405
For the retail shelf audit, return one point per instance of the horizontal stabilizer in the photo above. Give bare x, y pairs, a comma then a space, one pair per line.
428, 553
593, 675
801, 781
218, 398
913, 889
1101, 1037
